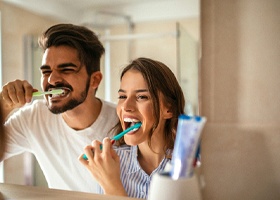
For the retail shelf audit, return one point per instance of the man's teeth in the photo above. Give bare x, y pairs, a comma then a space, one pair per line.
64, 93
58, 95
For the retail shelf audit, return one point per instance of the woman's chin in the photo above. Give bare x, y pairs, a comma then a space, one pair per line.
131, 143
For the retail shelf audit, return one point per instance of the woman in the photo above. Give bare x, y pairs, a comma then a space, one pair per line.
149, 93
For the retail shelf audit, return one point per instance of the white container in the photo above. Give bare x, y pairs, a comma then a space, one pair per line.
165, 188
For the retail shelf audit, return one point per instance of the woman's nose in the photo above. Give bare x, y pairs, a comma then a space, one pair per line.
128, 105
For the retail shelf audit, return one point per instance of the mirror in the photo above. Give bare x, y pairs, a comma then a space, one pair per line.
1, 164
174, 42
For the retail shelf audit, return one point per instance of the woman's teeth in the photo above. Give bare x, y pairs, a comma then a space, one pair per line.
130, 122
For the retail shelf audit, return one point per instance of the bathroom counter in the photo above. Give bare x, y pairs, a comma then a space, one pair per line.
20, 192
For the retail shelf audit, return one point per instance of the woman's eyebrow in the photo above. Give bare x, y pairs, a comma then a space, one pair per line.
139, 90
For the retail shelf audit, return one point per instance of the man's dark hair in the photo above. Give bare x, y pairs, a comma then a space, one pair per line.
89, 48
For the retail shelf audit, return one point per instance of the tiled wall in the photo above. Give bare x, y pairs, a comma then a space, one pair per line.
240, 98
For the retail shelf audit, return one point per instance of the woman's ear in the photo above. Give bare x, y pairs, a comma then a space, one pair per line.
95, 79
167, 112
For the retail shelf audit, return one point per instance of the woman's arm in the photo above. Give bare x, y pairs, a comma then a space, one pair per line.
104, 165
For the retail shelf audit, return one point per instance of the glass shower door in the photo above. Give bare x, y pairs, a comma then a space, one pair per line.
188, 69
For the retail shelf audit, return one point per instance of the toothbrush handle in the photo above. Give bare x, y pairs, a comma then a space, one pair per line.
36, 94
85, 157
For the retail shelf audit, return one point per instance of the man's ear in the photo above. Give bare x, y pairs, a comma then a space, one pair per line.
95, 79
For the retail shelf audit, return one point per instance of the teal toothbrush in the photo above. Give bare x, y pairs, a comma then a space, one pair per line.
40, 93
119, 136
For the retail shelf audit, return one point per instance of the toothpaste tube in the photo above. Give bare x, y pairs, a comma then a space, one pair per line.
186, 144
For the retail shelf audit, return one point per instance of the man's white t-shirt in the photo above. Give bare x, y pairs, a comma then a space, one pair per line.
55, 145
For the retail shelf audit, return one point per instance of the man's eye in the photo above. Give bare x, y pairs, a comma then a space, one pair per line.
122, 97
45, 72
68, 70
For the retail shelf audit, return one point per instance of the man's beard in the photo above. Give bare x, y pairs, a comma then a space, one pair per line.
72, 103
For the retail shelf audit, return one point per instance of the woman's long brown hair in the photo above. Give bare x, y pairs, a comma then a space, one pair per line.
160, 79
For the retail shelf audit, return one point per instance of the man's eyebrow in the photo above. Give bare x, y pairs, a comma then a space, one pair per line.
67, 65
44, 67
63, 65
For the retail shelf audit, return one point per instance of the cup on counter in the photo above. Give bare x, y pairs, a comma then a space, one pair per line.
163, 187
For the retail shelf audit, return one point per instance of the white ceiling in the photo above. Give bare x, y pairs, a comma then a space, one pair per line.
110, 11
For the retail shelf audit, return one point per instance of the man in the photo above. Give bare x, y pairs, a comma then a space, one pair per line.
2, 136
57, 128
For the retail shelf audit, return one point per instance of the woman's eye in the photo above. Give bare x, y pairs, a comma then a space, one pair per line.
142, 97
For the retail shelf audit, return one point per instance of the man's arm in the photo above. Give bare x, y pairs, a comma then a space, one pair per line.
6, 109
2, 135
14, 95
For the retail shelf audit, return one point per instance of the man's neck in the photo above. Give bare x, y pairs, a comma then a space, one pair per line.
83, 115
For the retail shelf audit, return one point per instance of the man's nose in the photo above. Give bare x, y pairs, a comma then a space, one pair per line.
54, 78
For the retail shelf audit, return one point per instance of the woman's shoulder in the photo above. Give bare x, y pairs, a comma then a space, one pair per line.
123, 147
126, 152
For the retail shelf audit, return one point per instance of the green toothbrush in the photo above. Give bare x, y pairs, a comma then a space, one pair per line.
41, 93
